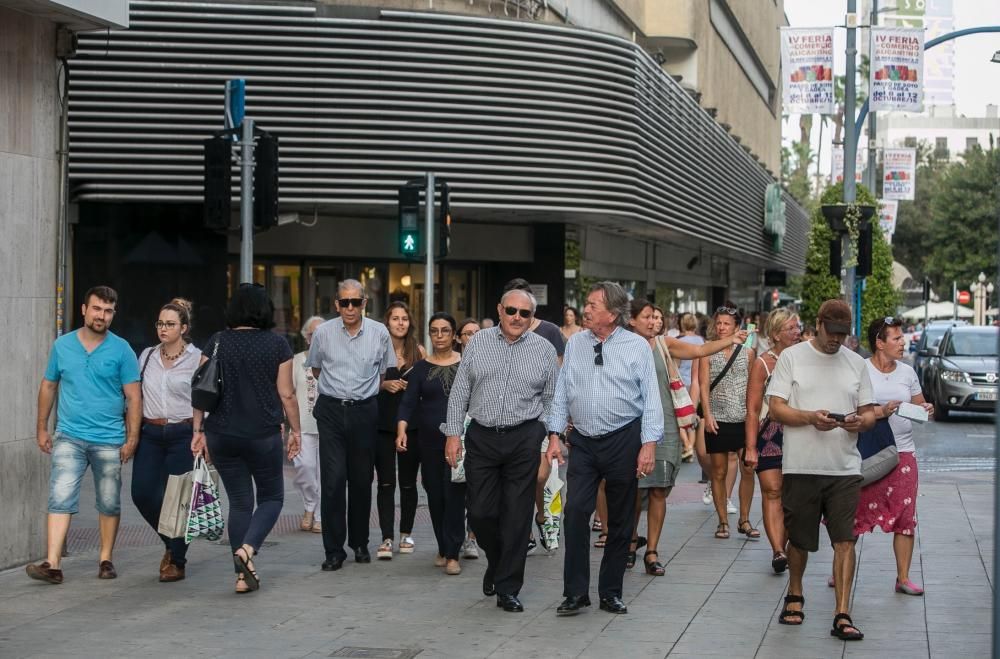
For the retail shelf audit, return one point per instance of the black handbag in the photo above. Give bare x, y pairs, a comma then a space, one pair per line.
206, 383
878, 452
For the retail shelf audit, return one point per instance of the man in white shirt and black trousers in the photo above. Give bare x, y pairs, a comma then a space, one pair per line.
505, 383
608, 387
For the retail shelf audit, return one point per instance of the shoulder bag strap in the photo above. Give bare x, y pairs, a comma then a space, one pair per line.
146, 362
672, 373
729, 365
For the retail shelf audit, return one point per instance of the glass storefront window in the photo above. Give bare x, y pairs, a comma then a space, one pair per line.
373, 278
324, 280
286, 291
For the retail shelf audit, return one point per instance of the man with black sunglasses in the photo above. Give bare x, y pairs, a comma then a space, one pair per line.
608, 387
349, 355
505, 383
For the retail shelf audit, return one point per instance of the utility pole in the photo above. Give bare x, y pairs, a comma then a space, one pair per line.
429, 267
850, 151
246, 203
871, 179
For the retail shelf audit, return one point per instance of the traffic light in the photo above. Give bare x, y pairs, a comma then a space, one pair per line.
265, 182
835, 258
409, 221
864, 251
218, 183
444, 223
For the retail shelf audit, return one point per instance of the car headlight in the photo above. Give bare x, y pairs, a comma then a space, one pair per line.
956, 376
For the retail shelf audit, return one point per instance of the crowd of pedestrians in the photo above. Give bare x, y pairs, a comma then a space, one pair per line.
479, 421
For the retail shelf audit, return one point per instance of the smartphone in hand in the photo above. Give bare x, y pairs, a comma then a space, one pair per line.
839, 418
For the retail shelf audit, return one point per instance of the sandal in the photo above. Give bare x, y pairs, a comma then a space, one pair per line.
800, 615
596, 526
639, 542
779, 563
241, 585
601, 541
840, 631
722, 531
244, 564
654, 568
384, 551
406, 544
746, 528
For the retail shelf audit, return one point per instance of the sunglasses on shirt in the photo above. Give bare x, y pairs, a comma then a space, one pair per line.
514, 311
599, 354
355, 302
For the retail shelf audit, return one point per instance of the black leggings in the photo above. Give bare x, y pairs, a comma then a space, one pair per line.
386, 459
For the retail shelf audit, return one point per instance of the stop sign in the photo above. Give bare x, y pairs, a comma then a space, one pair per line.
964, 297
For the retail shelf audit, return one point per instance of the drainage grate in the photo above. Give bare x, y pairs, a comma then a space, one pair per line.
376, 653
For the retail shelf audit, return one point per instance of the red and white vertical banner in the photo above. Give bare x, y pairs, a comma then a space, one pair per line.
807, 70
899, 167
837, 165
897, 69
887, 213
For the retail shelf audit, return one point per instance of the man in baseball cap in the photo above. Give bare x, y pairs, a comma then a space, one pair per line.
821, 393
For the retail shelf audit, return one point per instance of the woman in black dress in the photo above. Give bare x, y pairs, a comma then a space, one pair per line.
404, 343
426, 404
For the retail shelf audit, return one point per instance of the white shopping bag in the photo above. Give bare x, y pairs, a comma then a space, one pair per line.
458, 471
552, 499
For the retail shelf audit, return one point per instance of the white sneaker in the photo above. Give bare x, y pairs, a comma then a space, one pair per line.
730, 508
470, 549
706, 496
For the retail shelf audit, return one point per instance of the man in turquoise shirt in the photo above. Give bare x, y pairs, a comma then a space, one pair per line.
95, 373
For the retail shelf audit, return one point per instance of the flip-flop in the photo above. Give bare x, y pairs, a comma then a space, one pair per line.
242, 564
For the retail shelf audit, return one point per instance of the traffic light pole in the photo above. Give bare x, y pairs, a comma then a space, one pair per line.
429, 271
850, 151
246, 203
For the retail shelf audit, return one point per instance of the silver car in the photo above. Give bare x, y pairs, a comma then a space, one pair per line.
961, 373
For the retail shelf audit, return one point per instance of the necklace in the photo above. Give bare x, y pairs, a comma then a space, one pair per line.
170, 358
883, 371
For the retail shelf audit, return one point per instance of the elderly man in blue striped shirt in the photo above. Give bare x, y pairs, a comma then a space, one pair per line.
608, 387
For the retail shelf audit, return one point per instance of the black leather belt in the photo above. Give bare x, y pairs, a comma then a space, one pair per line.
349, 403
501, 430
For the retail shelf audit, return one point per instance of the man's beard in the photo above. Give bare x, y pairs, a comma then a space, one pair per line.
92, 327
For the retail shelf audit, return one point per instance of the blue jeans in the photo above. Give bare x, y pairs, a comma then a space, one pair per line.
244, 465
163, 451
70, 458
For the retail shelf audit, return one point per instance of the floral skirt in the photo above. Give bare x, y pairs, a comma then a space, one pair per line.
890, 503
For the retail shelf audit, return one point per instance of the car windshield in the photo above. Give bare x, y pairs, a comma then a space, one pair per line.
972, 344
933, 336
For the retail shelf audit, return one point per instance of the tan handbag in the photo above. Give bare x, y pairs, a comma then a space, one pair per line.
684, 410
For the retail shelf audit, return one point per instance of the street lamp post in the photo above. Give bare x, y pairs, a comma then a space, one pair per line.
982, 293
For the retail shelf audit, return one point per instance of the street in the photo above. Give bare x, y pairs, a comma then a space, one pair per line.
718, 598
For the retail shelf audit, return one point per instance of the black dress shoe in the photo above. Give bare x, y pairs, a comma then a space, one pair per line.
509, 603
488, 588
572, 605
613, 605
361, 555
333, 564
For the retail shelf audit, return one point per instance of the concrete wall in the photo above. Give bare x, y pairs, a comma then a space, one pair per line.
29, 175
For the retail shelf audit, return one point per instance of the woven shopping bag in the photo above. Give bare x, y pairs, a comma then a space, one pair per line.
683, 407
205, 515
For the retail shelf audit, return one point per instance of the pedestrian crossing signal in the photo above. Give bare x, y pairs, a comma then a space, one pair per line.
409, 221
408, 242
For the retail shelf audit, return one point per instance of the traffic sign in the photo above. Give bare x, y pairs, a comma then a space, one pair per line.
964, 297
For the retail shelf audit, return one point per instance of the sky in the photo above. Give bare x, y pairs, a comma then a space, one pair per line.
977, 79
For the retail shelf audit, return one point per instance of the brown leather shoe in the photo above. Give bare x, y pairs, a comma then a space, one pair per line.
171, 573
106, 570
165, 561
43, 572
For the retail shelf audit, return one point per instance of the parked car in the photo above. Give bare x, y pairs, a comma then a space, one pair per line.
962, 371
929, 338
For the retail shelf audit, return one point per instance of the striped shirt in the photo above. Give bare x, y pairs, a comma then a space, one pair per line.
350, 366
602, 399
500, 383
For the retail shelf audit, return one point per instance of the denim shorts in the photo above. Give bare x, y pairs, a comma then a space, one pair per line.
70, 458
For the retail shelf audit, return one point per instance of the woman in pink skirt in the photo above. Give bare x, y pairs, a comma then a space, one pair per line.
891, 503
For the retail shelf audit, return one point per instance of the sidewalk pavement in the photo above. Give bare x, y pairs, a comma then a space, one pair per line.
718, 598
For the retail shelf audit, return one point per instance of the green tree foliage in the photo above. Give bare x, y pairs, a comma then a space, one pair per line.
880, 298
963, 232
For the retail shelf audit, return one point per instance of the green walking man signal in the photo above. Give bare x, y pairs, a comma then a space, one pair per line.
411, 219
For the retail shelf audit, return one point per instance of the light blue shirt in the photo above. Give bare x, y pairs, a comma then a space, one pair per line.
602, 399
91, 387
350, 366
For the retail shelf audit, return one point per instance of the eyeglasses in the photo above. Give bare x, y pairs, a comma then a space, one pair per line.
514, 311
729, 311
169, 324
439, 331
599, 354
345, 302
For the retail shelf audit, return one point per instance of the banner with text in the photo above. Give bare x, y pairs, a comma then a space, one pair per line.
899, 167
887, 209
807, 70
837, 167
897, 69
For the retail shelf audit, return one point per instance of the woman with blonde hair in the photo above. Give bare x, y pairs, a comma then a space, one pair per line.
764, 435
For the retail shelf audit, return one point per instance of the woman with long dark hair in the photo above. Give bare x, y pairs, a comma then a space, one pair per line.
408, 352
426, 401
